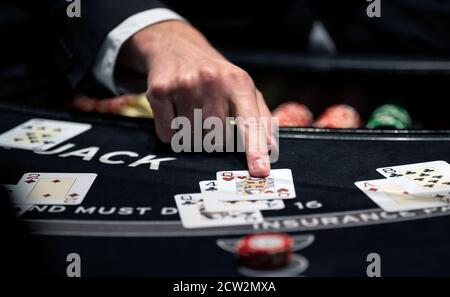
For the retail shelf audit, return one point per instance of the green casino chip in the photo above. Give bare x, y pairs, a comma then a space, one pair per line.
389, 116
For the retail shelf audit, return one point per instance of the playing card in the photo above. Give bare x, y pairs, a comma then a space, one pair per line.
420, 178
53, 188
391, 197
193, 214
212, 204
239, 185
19, 209
41, 134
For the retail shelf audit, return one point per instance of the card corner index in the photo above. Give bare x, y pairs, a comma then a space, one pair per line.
187, 194
380, 169
357, 183
376, 182
205, 181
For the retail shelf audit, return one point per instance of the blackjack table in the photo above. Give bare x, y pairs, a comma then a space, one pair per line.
128, 224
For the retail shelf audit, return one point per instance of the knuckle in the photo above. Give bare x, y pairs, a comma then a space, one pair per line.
159, 90
187, 81
240, 76
208, 74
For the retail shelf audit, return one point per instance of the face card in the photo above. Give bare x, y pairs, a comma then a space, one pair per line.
19, 209
53, 188
391, 197
212, 204
420, 178
41, 134
239, 185
193, 214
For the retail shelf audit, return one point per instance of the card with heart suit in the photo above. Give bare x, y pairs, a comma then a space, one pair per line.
212, 204
53, 188
19, 209
391, 197
420, 178
239, 185
193, 214
41, 134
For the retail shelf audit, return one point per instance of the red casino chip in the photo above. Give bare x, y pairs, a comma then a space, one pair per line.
339, 116
293, 114
111, 105
84, 103
265, 251
114, 105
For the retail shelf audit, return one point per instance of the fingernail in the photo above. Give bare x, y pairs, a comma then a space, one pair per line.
261, 167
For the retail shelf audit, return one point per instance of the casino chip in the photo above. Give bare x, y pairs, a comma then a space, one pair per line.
390, 116
111, 105
264, 251
293, 114
339, 116
125, 105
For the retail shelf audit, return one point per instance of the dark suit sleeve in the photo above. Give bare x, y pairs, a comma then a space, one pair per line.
76, 41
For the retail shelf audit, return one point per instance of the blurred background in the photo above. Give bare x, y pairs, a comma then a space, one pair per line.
316, 53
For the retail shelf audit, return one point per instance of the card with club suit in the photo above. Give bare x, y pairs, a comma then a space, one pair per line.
41, 134
420, 178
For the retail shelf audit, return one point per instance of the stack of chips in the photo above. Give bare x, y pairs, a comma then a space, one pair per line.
293, 114
339, 116
111, 105
389, 116
266, 251
125, 105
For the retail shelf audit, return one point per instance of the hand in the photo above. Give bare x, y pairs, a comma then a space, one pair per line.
185, 72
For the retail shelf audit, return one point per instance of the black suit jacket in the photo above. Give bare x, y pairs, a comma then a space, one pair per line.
76, 41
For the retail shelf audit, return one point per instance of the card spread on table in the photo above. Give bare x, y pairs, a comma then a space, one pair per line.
235, 198
52, 188
391, 197
41, 134
239, 185
194, 215
420, 178
212, 204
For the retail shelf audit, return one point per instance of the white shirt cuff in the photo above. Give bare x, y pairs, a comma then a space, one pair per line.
106, 59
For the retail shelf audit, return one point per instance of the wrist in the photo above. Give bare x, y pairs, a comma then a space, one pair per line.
139, 51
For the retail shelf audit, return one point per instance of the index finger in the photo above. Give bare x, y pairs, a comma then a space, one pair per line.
252, 131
